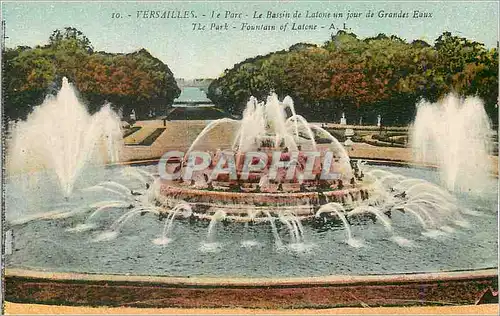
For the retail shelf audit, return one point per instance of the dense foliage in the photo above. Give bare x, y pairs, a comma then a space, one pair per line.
363, 78
129, 81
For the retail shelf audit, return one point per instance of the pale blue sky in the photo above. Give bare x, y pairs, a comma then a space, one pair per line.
196, 54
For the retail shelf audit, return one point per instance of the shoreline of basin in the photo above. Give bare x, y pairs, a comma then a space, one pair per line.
80, 289
24, 309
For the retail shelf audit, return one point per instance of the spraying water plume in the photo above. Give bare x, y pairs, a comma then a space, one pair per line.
454, 134
62, 136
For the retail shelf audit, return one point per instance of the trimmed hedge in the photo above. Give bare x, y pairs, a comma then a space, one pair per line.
131, 130
148, 141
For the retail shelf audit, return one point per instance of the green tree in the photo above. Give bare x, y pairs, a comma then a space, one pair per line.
379, 75
129, 81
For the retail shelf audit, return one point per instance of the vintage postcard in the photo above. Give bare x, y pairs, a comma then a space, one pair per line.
237, 157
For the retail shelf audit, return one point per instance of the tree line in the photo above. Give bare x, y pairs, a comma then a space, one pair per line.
383, 75
362, 77
136, 81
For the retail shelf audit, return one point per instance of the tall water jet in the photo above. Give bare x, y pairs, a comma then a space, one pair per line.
60, 135
454, 134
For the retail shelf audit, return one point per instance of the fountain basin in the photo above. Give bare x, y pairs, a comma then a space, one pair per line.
442, 288
462, 248
61, 267
252, 206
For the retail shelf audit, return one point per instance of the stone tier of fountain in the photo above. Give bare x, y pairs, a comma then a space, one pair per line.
256, 198
252, 206
271, 129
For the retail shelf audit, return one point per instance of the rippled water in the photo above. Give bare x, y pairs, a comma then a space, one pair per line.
235, 250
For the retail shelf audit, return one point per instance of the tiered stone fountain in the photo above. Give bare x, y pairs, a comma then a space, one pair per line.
374, 235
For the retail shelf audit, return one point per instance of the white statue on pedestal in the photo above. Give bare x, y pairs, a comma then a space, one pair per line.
343, 120
349, 132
